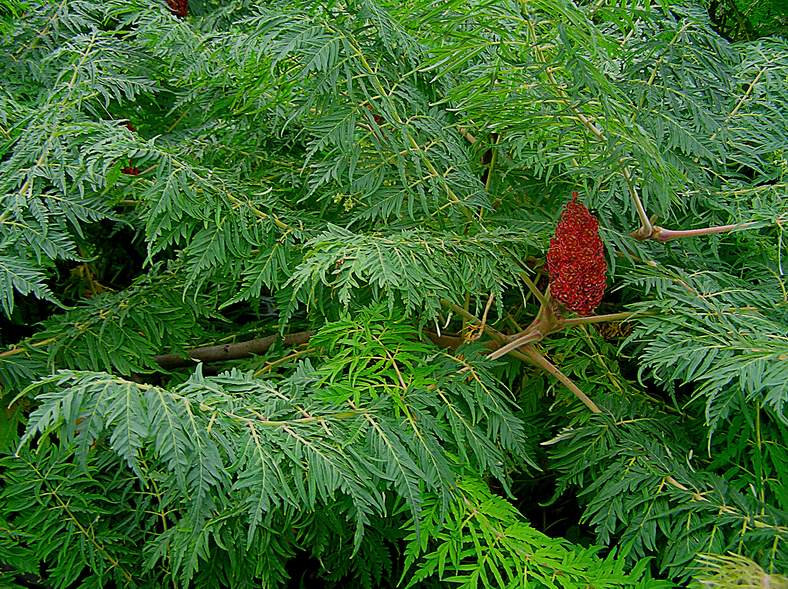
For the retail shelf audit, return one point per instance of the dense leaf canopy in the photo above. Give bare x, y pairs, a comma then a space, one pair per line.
183, 184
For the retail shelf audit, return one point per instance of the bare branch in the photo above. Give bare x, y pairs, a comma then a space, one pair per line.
523, 340
231, 351
662, 234
546, 365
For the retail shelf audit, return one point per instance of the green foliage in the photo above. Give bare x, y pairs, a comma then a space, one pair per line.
369, 174
737, 571
238, 447
413, 267
120, 332
627, 471
739, 20
736, 349
485, 541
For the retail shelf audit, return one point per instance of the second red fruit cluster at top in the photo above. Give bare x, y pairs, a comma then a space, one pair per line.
179, 8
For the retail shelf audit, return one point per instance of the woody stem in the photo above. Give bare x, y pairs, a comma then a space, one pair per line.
529, 337
546, 365
661, 234
598, 318
529, 354
534, 289
646, 229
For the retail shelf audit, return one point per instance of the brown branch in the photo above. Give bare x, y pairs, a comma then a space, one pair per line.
546, 365
528, 354
623, 316
230, 351
661, 234
527, 338
21, 349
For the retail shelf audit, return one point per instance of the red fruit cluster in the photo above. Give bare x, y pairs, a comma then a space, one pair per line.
179, 7
576, 260
131, 169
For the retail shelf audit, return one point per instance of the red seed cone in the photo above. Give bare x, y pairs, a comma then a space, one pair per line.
131, 169
576, 260
179, 8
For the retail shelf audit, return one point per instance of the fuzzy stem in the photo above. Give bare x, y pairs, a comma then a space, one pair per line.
624, 315
661, 234
544, 324
527, 338
646, 228
533, 288
546, 365
529, 354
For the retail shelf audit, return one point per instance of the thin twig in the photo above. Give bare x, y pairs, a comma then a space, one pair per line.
533, 288
21, 349
739, 104
453, 341
623, 316
466, 315
678, 485
468, 136
487, 309
491, 165
273, 364
466, 306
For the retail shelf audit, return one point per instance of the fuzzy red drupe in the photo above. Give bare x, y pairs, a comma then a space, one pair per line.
576, 260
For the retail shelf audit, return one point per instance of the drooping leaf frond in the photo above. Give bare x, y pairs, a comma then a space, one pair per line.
733, 345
